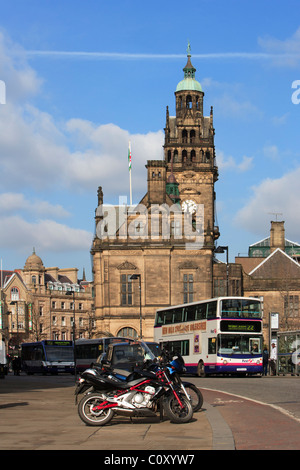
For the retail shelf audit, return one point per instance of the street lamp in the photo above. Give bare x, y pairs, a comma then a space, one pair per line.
138, 276
222, 249
15, 302
72, 292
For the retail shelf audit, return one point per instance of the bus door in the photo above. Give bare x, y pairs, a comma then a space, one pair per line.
39, 358
211, 356
33, 357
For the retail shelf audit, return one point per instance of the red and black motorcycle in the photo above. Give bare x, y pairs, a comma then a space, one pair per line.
145, 391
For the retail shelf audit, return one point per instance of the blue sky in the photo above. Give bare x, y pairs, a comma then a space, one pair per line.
84, 77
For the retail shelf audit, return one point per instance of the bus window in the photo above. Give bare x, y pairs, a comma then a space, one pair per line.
240, 308
178, 316
190, 313
168, 317
159, 320
200, 313
164, 317
250, 309
212, 345
211, 310
178, 347
239, 344
38, 354
231, 308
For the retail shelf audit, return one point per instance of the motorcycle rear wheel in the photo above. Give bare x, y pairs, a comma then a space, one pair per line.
175, 413
90, 416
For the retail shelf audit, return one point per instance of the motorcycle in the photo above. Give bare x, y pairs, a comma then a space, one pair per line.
175, 368
142, 394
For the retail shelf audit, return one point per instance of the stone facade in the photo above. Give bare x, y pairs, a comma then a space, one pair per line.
41, 303
275, 278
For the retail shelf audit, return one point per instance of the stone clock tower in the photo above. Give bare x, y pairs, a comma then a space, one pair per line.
140, 267
189, 150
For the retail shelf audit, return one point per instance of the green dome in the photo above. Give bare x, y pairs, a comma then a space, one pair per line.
189, 84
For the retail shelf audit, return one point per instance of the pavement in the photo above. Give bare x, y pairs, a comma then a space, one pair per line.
39, 413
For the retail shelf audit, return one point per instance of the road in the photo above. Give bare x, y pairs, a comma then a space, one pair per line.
262, 412
38, 413
280, 392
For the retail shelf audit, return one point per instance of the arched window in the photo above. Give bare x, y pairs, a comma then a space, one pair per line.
14, 293
175, 156
184, 156
128, 332
193, 156
192, 136
189, 102
184, 136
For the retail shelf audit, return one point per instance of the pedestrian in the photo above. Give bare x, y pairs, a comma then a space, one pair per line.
265, 360
273, 358
16, 365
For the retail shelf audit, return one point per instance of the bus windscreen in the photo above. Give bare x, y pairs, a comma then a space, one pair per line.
240, 308
59, 353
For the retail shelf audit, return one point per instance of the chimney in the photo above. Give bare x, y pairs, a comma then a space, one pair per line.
156, 181
277, 236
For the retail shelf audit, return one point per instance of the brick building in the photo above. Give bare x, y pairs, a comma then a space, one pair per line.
44, 303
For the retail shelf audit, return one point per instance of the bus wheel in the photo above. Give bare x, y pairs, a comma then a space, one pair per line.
200, 369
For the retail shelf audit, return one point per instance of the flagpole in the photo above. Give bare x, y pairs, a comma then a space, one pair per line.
130, 188
129, 166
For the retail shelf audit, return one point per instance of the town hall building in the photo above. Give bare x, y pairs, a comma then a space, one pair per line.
162, 251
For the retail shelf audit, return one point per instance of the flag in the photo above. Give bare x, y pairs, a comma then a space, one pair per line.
129, 157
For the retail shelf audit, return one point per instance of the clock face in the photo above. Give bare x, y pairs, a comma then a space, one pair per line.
189, 206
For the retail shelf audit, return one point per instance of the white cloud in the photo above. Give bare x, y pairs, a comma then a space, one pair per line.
101, 55
40, 156
228, 162
280, 120
283, 52
236, 107
271, 152
20, 79
46, 235
17, 202
231, 100
103, 157
273, 196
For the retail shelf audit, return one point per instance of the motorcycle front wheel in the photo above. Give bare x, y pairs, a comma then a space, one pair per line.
175, 412
88, 414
